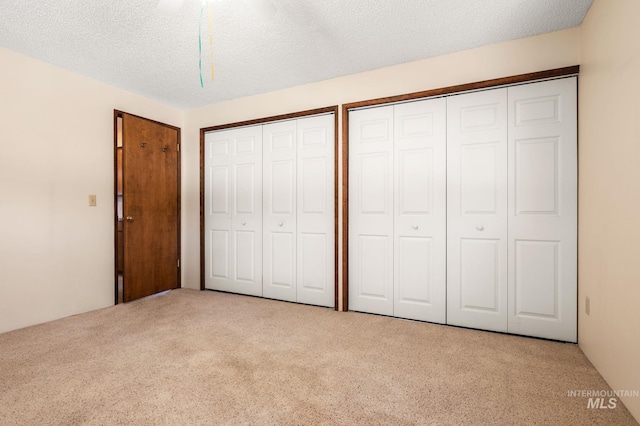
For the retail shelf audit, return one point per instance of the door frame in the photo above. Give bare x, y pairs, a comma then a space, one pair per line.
445, 91
265, 120
118, 114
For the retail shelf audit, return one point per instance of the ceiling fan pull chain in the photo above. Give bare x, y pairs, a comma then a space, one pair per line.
200, 44
210, 37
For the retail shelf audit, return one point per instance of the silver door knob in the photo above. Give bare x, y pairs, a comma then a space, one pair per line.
129, 218
415, 226
480, 228
244, 223
280, 224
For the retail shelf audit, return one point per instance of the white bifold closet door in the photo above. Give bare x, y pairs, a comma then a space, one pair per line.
397, 210
477, 210
371, 210
315, 200
279, 212
512, 209
298, 220
233, 210
269, 210
542, 212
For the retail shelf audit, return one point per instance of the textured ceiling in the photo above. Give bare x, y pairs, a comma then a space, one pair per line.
134, 45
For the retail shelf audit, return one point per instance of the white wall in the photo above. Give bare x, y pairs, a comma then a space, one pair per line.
56, 253
553, 50
609, 210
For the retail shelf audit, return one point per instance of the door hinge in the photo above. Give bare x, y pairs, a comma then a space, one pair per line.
178, 147
178, 263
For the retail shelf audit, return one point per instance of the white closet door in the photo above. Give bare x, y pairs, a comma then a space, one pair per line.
233, 217
316, 210
371, 210
279, 212
477, 210
420, 210
543, 209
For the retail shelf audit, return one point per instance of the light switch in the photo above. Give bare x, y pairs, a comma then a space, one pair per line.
92, 200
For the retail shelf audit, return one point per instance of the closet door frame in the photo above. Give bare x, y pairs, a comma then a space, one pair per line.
486, 84
266, 120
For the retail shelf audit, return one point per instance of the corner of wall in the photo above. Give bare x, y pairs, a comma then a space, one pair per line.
609, 234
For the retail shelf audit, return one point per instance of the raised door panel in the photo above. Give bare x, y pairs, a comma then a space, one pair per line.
420, 210
371, 210
481, 186
414, 272
536, 273
218, 249
245, 249
245, 189
535, 174
479, 272
315, 279
315, 201
543, 209
374, 268
477, 210
374, 176
279, 210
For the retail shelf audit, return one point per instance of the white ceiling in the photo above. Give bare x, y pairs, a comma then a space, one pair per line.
136, 46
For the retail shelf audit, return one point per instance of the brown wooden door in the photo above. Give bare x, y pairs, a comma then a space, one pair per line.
151, 207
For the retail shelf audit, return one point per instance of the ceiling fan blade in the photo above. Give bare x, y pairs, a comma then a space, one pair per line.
169, 6
263, 9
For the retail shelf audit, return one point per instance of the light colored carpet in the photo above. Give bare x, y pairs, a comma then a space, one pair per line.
201, 358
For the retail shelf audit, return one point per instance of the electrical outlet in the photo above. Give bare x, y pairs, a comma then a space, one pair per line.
587, 306
92, 200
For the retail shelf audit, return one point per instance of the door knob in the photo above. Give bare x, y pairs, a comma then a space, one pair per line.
244, 223
129, 218
280, 224
480, 228
415, 227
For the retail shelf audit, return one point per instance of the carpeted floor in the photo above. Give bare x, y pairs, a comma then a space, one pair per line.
202, 358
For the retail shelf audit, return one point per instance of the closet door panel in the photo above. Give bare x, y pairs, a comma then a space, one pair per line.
371, 210
414, 272
218, 249
543, 209
279, 210
245, 250
315, 201
247, 213
480, 265
477, 210
420, 210
233, 220
219, 148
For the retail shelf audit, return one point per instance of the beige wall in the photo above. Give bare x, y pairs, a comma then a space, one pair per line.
609, 218
56, 253
553, 50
